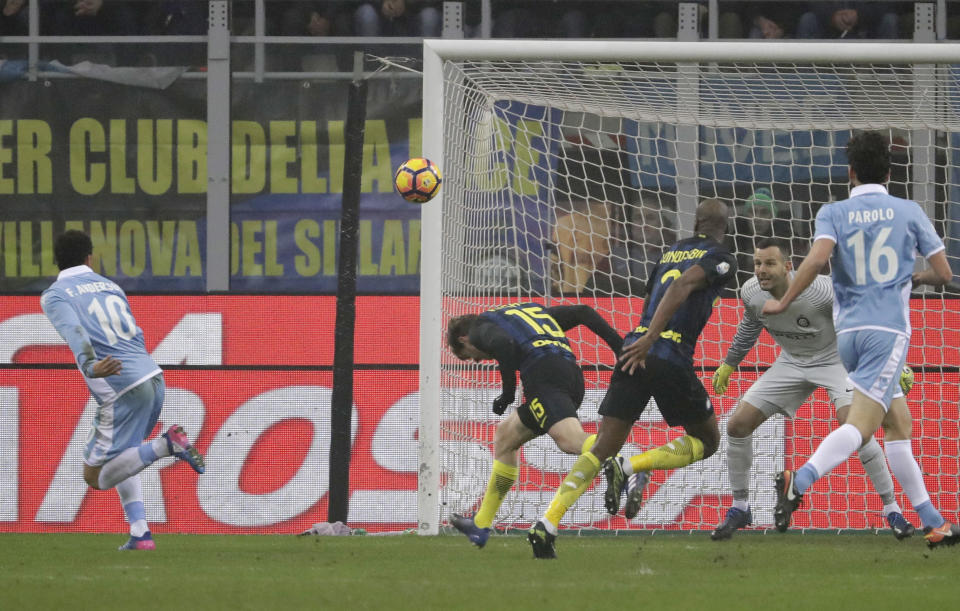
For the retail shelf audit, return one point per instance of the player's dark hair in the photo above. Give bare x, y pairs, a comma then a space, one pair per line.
773, 242
457, 328
869, 156
72, 249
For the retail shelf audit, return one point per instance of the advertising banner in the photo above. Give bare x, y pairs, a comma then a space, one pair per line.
250, 380
129, 166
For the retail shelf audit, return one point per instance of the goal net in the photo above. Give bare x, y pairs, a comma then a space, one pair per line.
569, 166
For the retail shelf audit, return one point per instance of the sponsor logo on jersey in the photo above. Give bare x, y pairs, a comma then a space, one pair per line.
791, 335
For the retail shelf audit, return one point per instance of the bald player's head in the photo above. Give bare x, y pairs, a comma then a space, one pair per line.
711, 218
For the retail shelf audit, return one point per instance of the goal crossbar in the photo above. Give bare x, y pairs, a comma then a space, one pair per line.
720, 51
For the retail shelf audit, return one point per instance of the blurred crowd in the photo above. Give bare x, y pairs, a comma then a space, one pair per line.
594, 19
522, 18
424, 18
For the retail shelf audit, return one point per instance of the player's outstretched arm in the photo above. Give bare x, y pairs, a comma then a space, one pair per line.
508, 392
721, 378
634, 355
694, 279
495, 342
748, 332
938, 274
570, 316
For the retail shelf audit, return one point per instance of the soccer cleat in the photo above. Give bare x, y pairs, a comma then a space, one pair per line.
734, 521
541, 541
947, 534
478, 536
636, 484
899, 525
615, 484
144, 542
787, 500
180, 446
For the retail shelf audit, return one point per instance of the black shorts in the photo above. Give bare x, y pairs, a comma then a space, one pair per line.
679, 394
552, 390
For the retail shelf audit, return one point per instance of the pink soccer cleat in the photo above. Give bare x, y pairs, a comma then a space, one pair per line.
180, 446
144, 542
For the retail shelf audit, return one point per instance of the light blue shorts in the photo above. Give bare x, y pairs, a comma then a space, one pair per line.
125, 422
874, 359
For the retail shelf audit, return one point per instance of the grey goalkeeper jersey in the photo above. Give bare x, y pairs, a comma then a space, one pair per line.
804, 332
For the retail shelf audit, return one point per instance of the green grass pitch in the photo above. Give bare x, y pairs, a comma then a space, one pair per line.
792, 571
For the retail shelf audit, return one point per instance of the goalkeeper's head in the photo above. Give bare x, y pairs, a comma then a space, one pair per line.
868, 154
772, 265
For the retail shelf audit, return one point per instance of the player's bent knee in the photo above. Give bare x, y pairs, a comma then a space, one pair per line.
569, 445
709, 436
710, 447
612, 435
506, 445
842, 414
569, 439
605, 447
91, 475
898, 422
739, 429
896, 431
510, 435
745, 420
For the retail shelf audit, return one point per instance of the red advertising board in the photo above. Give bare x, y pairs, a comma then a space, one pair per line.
250, 377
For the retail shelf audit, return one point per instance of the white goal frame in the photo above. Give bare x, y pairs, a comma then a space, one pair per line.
436, 52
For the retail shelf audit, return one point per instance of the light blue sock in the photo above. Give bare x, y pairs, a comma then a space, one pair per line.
131, 497
147, 454
135, 511
137, 518
929, 515
804, 478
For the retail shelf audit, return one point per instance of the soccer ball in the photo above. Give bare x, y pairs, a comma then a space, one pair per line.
418, 180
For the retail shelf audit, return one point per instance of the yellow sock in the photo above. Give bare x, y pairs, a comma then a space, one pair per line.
588, 443
574, 484
677, 453
501, 480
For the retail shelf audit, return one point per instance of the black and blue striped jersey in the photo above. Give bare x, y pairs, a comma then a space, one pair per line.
519, 334
678, 341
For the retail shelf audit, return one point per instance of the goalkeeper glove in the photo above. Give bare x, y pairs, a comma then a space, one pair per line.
721, 378
501, 403
906, 379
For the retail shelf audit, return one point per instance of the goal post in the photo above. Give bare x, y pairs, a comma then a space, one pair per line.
568, 165
431, 320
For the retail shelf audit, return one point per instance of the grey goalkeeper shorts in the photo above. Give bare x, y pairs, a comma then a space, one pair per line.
784, 387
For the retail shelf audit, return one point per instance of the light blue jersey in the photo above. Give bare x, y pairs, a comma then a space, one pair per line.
877, 237
92, 315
